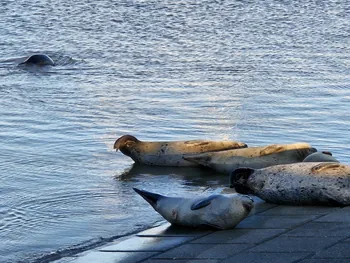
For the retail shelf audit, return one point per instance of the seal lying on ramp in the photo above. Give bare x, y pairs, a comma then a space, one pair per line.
253, 157
298, 184
169, 153
39, 60
217, 211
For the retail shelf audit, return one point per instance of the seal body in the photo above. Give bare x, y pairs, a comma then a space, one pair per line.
304, 183
216, 211
39, 60
320, 157
253, 157
169, 153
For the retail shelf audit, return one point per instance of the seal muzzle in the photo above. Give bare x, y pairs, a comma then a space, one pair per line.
238, 180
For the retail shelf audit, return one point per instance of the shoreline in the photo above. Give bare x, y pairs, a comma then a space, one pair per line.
271, 233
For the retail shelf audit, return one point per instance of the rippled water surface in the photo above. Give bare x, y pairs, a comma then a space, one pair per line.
262, 73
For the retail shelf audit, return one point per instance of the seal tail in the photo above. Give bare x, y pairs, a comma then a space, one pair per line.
151, 198
238, 180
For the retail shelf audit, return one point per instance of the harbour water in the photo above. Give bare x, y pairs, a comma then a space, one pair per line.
258, 72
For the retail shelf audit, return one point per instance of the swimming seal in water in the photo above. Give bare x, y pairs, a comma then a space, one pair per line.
297, 184
38, 59
323, 156
169, 153
253, 157
217, 211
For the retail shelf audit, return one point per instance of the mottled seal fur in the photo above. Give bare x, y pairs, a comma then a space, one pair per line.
169, 153
39, 60
253, 157
217, 211
320, 157
304, 183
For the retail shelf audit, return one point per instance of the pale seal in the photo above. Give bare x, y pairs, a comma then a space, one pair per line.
320, 157
39, 60
169, 153
297, 184
217, 211
253, 157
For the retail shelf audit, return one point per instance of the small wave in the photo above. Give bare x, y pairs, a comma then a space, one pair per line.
79, 248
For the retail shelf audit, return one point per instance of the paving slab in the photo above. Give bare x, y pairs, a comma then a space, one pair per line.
299, 210
266, 257
340, 250
155, 260
328, 260
261, 221
169, 230
145, 244
339, 215
260, 206
234, 236
321, 229
115, 257
295, 244
203, 251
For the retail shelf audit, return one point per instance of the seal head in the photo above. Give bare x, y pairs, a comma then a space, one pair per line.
323, 156
125, 143
39, 60
239, 180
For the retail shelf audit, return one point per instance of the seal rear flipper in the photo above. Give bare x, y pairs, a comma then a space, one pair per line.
238, 180
201, 159
274, 148
203, 203
151, 198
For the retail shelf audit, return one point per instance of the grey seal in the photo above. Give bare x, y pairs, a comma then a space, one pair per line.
253, 157
169, 153
216, 211
39, 60
323, 156
301, 183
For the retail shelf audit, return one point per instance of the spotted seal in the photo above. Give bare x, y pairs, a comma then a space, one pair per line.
304, 183
253, 157
169, 153
216, 211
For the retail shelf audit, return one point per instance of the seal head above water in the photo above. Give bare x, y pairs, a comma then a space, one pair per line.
39, 60
323, 156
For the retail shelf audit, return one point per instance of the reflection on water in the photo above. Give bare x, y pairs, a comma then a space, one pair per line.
257, 72
188, 176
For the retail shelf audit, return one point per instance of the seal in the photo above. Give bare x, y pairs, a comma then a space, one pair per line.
169, 153
253, 157
308, 183
323, 156
215, 211
39, 60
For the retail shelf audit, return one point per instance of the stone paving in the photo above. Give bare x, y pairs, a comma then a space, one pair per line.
272, 233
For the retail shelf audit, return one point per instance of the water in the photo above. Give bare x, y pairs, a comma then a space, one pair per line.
262, 73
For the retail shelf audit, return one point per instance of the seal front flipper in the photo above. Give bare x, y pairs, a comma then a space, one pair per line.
203, 203
325, 166
274, 148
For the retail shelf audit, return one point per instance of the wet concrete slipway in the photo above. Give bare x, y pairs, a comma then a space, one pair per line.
271, 233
